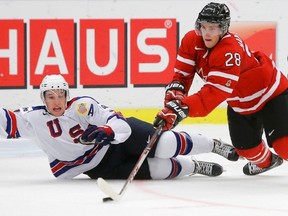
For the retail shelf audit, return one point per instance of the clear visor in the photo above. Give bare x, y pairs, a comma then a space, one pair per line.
212, 29
54, 93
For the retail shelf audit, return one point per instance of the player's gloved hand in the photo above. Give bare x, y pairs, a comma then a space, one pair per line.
101, 135
171, 115
174, 91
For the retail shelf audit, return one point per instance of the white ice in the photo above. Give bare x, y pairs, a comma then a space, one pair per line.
27, 187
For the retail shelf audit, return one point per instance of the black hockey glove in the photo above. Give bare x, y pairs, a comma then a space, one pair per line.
174, 91
93, 135
171, 115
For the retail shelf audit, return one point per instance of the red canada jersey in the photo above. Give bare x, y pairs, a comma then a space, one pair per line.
231, 72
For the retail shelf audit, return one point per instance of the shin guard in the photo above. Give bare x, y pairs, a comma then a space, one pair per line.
281, 147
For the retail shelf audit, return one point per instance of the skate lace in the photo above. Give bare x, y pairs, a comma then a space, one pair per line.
204, 168
222, 149
254, 168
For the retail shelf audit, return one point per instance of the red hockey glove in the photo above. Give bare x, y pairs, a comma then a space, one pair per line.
94, 135
174, 91
171, 115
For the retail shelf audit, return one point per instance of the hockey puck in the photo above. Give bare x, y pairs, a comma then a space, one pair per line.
106, 199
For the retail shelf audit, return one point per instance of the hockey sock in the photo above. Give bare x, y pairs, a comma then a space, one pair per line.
281, 147
184, 143
171, 168
172, 144
259, 155
191, 143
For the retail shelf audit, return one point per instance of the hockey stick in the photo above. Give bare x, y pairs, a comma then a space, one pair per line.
108, 190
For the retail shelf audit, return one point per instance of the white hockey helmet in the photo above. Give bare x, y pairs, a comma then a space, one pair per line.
54, 81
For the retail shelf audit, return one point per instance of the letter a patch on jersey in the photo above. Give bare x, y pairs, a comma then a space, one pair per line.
82, 109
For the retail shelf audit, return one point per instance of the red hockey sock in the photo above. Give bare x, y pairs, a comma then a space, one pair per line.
281, 147
259, 155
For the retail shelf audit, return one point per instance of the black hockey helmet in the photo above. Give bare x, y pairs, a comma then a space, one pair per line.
214, 13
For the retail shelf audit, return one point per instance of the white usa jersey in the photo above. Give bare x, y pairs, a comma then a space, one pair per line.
58, 136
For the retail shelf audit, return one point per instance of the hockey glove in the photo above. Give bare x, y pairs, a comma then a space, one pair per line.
171, 115
94, 135
174, 91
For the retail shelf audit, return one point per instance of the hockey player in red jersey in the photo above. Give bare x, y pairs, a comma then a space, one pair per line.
254, 88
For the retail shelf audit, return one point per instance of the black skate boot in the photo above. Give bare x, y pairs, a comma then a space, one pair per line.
207, 168
251, 169
225, 150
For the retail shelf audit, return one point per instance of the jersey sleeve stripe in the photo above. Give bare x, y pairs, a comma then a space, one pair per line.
185, 60
181, 72
11, 128
118, 115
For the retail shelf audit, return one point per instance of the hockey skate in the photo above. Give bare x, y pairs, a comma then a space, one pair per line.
207, 168
225, 150
251, 169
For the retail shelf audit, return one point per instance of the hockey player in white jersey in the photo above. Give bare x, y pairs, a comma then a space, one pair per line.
114, 142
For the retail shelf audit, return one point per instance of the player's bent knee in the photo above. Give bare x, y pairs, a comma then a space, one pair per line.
159, 168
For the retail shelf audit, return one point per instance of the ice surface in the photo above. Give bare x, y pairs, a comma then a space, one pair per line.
27, 187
